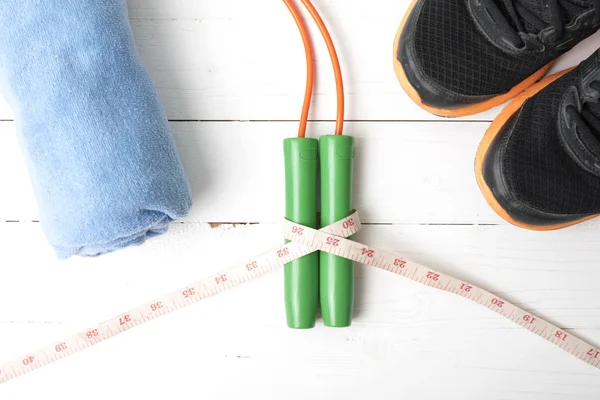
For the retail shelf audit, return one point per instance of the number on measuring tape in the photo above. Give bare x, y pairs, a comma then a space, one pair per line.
297, 230
561, 335
252, 266
497, 302
28, 360
594, 353
368, 252
331, 241
433, 276
92, 334
283, 252
528, 318
398, 262
189, 292
221, 278
348, 223
124, 320
466, 287
60, 347
156, 306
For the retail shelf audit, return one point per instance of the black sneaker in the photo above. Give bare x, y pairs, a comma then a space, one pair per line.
461, 57
538, 165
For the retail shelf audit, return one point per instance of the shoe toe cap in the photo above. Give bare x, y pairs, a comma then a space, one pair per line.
413, 77
496, 177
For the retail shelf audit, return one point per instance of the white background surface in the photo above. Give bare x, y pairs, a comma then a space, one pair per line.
231, 75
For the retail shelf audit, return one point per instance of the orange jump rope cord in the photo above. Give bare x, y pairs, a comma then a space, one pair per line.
339, 82
310, 67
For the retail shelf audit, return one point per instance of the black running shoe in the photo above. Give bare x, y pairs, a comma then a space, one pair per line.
538, 165
461, 57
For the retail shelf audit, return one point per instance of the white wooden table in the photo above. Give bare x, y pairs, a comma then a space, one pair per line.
231, 76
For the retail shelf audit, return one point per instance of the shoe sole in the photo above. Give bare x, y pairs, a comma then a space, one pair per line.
459, 112
487, 140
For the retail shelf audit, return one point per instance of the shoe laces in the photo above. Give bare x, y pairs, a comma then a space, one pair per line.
532, 16
587, 121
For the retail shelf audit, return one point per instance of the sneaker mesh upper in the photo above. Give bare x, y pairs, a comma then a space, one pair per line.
454, 54
538, 170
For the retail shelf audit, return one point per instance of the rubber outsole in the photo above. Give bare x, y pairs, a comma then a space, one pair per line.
459, 112
487, 140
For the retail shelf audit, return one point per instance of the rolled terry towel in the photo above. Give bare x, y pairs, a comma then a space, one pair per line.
96, 140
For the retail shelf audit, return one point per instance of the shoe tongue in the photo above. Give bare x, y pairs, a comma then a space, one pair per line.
579, 115
590, 130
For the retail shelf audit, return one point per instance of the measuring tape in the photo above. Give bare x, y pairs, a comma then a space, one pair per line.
304, 240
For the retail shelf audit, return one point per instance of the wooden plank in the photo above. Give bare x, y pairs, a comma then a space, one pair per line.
406, 172
277, 363
406, 338
554, 273
237, 60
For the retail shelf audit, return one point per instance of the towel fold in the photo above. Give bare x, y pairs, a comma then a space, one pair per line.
97, 143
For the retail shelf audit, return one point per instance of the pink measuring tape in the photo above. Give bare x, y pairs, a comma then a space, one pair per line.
331, 239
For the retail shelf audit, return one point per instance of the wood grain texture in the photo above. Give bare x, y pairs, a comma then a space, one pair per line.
236, 60
406, 339
406, 172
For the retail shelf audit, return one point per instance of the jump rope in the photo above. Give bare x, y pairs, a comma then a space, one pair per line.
318, 275
318, 264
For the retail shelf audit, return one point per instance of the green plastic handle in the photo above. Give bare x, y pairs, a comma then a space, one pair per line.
302, 275
337, 273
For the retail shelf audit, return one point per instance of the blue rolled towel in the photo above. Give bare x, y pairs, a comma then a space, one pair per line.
96, 140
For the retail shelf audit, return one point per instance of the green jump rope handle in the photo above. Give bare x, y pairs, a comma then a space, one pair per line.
302, 275
337, 273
